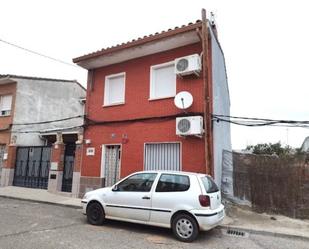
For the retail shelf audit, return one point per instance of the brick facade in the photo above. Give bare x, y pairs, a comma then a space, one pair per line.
5, 135
7, 165
133, 135
137, 88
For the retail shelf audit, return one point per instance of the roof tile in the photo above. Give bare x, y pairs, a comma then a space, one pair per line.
126, 44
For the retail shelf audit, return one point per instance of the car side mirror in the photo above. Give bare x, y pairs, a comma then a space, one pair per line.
115, 188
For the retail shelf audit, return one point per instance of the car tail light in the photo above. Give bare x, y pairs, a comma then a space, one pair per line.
204, 200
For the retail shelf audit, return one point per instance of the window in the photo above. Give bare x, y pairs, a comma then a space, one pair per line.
209, 185
138, 183
162, 81
5, 105
173, 183
114, 89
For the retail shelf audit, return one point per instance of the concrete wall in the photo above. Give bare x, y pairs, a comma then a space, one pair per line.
221, 105
41, 100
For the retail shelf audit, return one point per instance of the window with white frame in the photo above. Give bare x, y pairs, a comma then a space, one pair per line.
162, 81
5, 105
114, 90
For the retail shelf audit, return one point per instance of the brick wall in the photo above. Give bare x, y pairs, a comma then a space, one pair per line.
137, 105
137, 134
137, 88
7, 89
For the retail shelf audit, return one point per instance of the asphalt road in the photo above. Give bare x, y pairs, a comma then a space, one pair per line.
35, 225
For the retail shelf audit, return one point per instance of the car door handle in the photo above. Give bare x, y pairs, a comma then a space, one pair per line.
146, 198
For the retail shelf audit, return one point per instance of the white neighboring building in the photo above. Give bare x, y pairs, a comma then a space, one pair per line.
41, 99
39, 109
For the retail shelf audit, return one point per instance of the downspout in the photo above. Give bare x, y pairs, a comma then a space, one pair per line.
90, 82
207, 100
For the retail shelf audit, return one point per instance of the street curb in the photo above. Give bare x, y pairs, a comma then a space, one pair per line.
253, 231
43, 202
275, 234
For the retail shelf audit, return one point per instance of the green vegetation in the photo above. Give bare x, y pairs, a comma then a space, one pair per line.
271, 149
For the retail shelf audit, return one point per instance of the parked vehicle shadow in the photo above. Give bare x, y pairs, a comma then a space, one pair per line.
154, 234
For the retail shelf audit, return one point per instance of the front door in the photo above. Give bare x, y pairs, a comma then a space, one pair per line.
69, 155
132, 198
112, 164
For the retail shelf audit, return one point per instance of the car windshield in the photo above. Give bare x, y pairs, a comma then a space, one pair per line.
209, 185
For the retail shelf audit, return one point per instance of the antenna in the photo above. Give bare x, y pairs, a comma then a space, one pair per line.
183, 100
212, 19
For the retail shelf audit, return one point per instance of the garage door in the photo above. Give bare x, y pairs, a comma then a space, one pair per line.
32, 167
162, 156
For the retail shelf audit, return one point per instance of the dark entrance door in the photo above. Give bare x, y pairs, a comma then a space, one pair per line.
32, 167
67, 178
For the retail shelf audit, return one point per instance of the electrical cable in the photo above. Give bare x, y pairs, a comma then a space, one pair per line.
46, 131
50, 121
258, 122
5, 129
242, 121
142, 119
262, 119
39, 54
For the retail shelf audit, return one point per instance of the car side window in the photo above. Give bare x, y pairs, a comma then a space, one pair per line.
209, 185
173, 183
137, 183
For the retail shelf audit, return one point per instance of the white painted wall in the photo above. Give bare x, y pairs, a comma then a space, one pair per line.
43, 100
221, 105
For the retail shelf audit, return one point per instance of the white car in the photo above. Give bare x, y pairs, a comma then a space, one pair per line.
186, 202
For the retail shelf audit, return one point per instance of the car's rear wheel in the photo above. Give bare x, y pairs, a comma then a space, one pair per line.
185, 228
95, 213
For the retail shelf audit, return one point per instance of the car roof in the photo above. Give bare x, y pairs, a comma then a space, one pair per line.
172, 172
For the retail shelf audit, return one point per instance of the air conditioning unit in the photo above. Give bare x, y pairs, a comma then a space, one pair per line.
187, 65
192, 125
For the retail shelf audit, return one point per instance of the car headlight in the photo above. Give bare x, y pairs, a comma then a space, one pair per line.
86, 196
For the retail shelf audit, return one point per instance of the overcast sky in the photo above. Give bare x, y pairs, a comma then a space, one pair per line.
266, 46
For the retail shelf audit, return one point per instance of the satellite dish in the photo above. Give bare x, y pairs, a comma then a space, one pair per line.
183, 100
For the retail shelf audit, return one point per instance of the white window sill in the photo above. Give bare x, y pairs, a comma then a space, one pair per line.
114, 104
159, 98
4, 116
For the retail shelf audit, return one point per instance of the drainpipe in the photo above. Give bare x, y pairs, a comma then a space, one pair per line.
207, 101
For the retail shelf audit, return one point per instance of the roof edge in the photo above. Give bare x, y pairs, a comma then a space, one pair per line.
9, 76
140, 41
33, 78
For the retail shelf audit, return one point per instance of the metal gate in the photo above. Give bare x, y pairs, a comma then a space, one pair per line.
67, 178
32, 167
112, 164
162, 156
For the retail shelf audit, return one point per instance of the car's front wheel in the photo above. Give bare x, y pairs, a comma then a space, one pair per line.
95, 213
185, 228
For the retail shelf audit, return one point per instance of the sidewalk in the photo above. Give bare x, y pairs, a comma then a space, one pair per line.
276, 225
237, 218
39, 195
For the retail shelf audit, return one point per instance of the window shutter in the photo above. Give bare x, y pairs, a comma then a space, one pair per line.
163, 81
116, 89
6, 103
